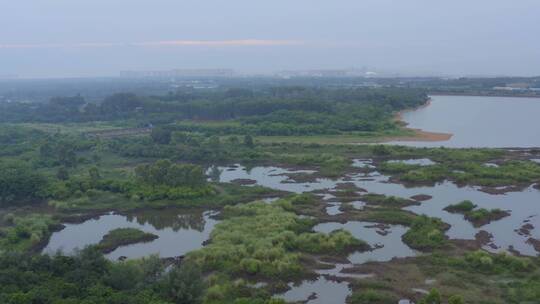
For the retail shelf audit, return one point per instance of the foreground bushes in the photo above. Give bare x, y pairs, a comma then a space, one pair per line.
89, 278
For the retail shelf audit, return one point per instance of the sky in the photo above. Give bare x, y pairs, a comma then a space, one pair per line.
85, 38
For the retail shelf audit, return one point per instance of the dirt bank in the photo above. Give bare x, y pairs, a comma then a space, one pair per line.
419, 135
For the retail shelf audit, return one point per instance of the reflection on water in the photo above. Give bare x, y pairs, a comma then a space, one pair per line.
385, 239
275, 178
320, 291
418, 161
179, 232
333, 209
363, 163
479, 121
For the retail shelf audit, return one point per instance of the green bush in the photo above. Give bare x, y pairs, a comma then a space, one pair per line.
266, 240
497, 263
462, 207
371, 296
425, 233
26, 231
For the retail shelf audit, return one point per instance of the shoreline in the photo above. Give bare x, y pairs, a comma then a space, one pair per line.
419, 135
482, 95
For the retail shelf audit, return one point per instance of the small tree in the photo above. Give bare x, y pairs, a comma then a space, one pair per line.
184, 284
433, 297
455, 299
161, 136
248, 141
94, 175
62, 173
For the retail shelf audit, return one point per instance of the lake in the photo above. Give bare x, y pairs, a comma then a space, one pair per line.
494, 122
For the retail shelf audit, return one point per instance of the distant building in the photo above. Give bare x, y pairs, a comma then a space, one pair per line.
180, 73
326, 73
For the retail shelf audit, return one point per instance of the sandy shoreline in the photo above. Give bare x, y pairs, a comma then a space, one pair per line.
419, 135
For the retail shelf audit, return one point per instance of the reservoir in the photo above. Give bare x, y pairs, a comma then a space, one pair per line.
494, 122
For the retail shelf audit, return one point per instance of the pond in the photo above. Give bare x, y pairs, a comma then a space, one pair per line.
179, 231
478, 121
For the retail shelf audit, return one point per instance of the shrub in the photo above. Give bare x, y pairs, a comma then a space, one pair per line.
425, 233
371, 296
462, 207
265, 239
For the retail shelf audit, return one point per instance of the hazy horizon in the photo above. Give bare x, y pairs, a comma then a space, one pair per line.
65, 38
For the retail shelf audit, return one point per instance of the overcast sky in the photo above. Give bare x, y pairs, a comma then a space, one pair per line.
59, 38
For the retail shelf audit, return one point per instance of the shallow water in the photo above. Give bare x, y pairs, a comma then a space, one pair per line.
326, 291
479, 121
363, 163
523, 205
333, 209
386, 242
179, 232
358, 205
417, 161
275, 178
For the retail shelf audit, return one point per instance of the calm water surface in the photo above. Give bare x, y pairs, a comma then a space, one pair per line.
386, 242
479, 121
179, 232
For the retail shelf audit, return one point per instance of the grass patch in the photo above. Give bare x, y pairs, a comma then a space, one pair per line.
371, 296
425, 234
25, 232
387, 201
462, 207
478, 217
222, 194
122, 237
390, 216
466, 172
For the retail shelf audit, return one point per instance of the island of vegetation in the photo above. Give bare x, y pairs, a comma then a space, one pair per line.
478, 217
122, 237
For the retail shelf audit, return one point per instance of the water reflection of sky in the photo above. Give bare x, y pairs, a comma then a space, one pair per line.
478, 121
179, 232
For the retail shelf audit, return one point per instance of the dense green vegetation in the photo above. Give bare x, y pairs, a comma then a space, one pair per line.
19, 184
268, 241
478, 217
462, 207
466, 172
272, 111
22, 233
62, 160
123, 236
387, 201
514, 279
426, 233
88, 277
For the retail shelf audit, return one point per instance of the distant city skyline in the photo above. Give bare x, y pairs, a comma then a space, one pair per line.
89, 38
